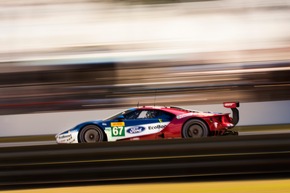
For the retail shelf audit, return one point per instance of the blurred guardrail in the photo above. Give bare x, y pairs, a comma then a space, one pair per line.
37, 95
54, 164
87, 85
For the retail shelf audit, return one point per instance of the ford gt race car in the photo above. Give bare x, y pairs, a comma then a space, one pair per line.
152, 122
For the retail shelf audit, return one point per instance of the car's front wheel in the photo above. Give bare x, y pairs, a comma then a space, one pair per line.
194, 128
91, 134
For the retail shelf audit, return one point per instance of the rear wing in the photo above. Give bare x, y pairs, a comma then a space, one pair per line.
233, 106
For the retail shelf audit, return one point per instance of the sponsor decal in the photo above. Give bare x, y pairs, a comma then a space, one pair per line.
156, 127
64, 136
117, 124
105, 124
108, 129
231, 104
184, 115
71, 140
135, 130
118, 129
160, 120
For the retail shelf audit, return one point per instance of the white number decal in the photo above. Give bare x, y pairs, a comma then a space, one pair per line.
118, 131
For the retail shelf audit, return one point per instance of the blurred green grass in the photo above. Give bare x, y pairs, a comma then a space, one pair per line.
51, 137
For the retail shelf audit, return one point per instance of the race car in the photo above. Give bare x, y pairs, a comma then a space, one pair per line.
154, 122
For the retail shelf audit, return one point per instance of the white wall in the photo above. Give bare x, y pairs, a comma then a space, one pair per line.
259, 113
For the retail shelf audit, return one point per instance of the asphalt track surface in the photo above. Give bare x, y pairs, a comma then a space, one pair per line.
37, 143
229, 157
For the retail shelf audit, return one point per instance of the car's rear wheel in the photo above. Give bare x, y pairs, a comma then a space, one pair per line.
91, 134
194, 128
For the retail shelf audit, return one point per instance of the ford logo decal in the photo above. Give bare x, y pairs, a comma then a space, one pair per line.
134, 130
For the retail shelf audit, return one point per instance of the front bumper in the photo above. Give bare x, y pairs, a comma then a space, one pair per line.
67, 137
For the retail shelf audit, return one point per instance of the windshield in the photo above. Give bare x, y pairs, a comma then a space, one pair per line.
115, 117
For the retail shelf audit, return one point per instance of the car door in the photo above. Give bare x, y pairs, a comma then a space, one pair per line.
136, 123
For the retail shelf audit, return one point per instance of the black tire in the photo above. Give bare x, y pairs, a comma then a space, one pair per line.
194, 128
91, 134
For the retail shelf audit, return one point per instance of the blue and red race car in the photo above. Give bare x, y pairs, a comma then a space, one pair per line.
154, 122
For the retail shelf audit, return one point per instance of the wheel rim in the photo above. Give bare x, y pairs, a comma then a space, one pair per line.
92, 136
195, 131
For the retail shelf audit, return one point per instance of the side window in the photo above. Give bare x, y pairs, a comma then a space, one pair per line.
164, 115
158, 114
132, 114
152, 114
148, 114
141, 114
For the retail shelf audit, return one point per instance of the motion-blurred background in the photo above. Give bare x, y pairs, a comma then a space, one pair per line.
60, 55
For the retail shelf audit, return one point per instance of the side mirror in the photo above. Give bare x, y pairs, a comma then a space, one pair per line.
121, 118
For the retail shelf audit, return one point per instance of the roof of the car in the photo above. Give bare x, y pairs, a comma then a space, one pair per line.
170, 109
